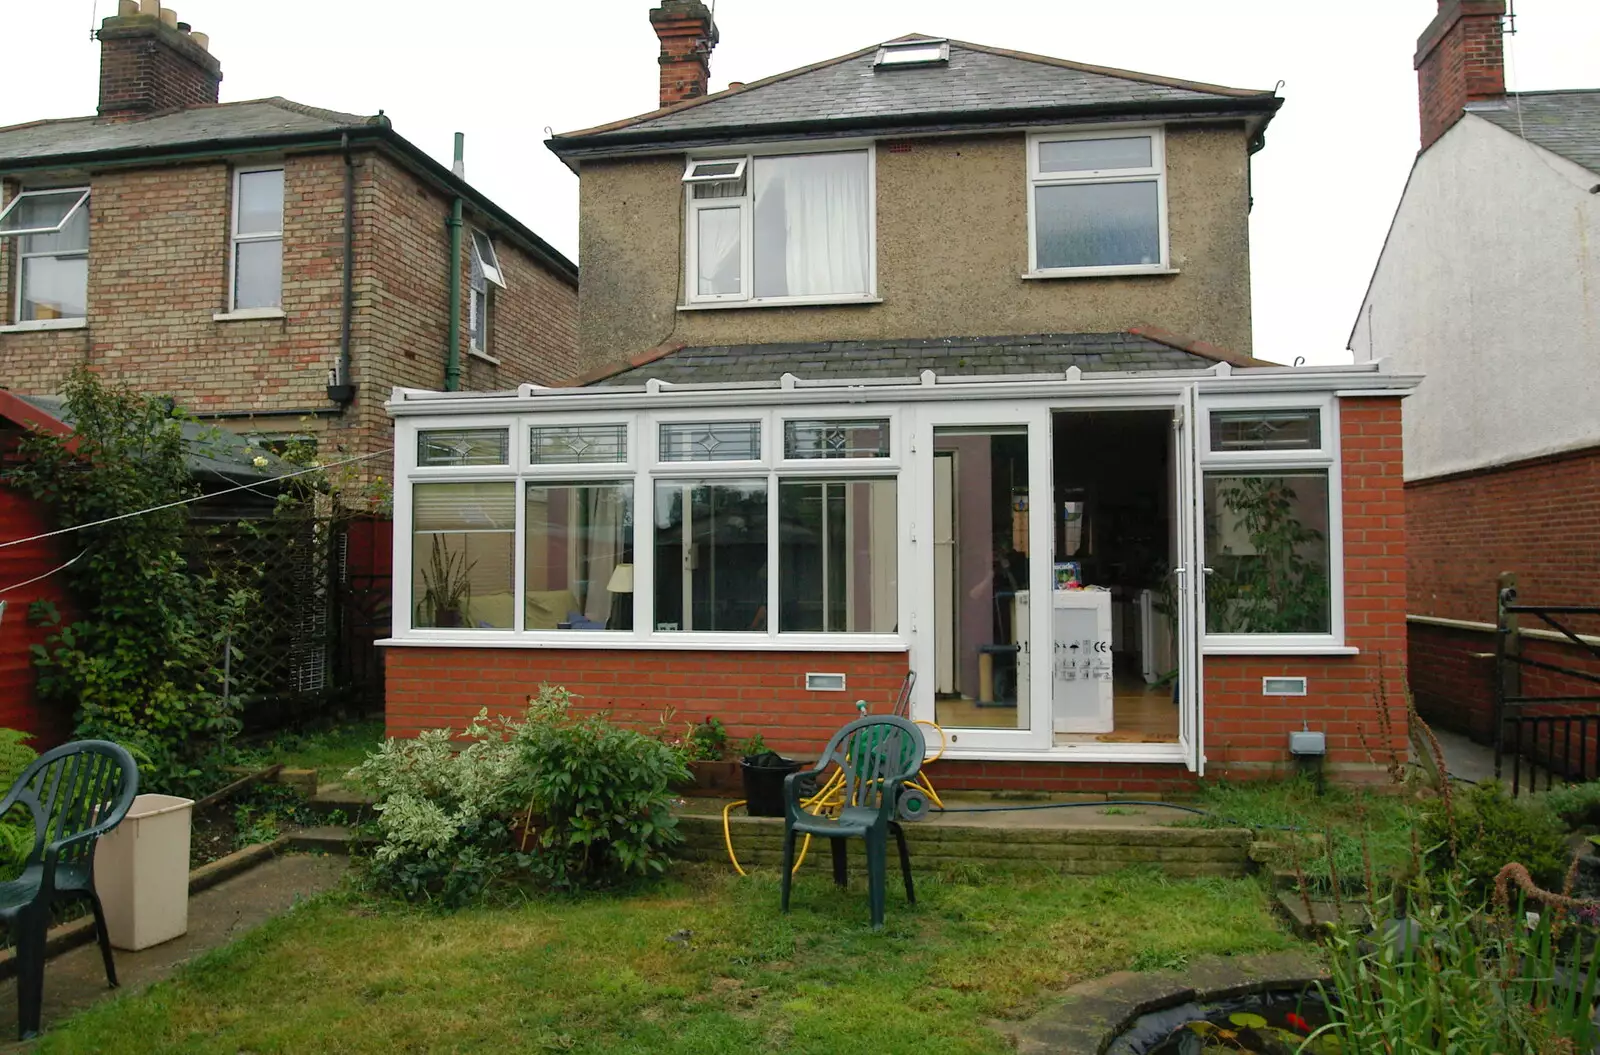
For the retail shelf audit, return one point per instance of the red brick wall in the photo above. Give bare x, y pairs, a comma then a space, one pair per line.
1246, 733
1539, 519
751, 692
158, 272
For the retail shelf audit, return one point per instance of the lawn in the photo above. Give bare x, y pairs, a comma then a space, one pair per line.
701, 964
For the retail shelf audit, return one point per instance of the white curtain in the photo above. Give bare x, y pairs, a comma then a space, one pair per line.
604, 542
815, 207
718, 251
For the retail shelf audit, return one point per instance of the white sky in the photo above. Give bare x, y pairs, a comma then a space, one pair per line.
502, 72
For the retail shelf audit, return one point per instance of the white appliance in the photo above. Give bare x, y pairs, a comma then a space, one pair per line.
1155, 640
1081, 661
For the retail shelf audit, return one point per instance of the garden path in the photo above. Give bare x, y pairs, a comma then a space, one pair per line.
75, 979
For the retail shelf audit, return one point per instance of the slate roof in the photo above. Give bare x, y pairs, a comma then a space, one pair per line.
1564, 122
1044, 353
213, 453
979, 83
256, 119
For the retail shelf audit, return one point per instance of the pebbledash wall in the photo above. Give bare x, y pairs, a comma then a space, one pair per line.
1358, 700
158, 272
1538, 518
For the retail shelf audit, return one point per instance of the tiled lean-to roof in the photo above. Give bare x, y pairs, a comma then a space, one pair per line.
1044, 353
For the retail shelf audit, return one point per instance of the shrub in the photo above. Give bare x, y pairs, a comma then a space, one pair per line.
16, 828
593, 798
1576, 805
142, 665
602, 795
1478, 831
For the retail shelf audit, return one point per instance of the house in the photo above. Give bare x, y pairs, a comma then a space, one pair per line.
1487, 284
219, 464
275, 267
932, 358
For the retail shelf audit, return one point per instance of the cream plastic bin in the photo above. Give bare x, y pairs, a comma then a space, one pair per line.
141, 870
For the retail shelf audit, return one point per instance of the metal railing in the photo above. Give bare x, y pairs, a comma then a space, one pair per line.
1563, 740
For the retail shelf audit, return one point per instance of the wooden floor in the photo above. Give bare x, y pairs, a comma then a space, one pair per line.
1144, 714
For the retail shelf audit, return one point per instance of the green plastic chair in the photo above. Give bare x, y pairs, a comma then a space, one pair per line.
76, 792
877, 755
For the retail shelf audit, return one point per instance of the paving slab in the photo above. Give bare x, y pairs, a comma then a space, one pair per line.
75, 980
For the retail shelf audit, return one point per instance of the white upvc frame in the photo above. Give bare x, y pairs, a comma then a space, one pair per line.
745, 203
1156, 171
642, 468
234, 238
1325, 457
66, 321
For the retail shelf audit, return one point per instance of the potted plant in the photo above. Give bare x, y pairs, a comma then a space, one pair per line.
446, 587
711, 754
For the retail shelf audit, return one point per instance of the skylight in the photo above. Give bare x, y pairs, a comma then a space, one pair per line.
924, 52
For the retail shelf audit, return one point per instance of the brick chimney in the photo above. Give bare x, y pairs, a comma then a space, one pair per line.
687, 36
149, 62
1460, 60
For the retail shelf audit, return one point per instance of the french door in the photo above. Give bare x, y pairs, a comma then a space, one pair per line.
983, 546
1190, 575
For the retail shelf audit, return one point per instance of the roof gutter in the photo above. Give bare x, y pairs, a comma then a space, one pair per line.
638, 140
378, 136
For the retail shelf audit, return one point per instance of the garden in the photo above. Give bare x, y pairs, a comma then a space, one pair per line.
520, 884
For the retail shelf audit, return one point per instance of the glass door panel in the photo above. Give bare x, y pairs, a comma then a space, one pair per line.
983, 566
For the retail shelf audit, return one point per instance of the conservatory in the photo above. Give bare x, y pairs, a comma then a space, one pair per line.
1147, 572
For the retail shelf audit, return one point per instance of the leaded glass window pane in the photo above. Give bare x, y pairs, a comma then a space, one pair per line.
577, 444
716, 441
463, 447
867, 438
1266, 430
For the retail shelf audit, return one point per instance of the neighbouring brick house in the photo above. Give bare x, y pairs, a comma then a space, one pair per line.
276, 267
207, 251
881, 363
1486, 283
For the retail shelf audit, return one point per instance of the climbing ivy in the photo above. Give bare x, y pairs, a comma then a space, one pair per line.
142, 664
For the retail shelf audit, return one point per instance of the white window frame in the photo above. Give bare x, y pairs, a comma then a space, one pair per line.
259, 236
746, 206
1326, 457
22, 257
891, 55
1157, 169
643, 468
692, 174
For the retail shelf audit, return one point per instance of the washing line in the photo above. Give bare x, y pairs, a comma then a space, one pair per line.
45, 575
187, 501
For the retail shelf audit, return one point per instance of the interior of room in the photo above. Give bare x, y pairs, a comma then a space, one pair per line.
1113, 660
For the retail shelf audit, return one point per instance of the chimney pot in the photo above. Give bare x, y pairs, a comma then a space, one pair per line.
688, 35
152, 64
735, 84
1460, 59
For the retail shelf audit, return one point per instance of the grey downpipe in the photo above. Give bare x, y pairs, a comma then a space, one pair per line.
341, 389
452, 355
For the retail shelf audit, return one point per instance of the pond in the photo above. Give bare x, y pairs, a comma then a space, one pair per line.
1271, 1023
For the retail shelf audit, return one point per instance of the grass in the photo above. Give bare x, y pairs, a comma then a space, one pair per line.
1382, 820
604, 974
331, 752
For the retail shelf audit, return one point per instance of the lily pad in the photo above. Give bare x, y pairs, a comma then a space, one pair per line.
1247, 1020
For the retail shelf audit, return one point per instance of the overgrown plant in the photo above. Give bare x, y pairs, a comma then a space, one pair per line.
16, 827
142, 664
558, 800
1446, 977
1277, 588
1477, 831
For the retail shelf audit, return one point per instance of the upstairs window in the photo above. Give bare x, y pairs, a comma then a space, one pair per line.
257, 239
927, 51
51, 232
783, 229
1097, 202
485, 271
